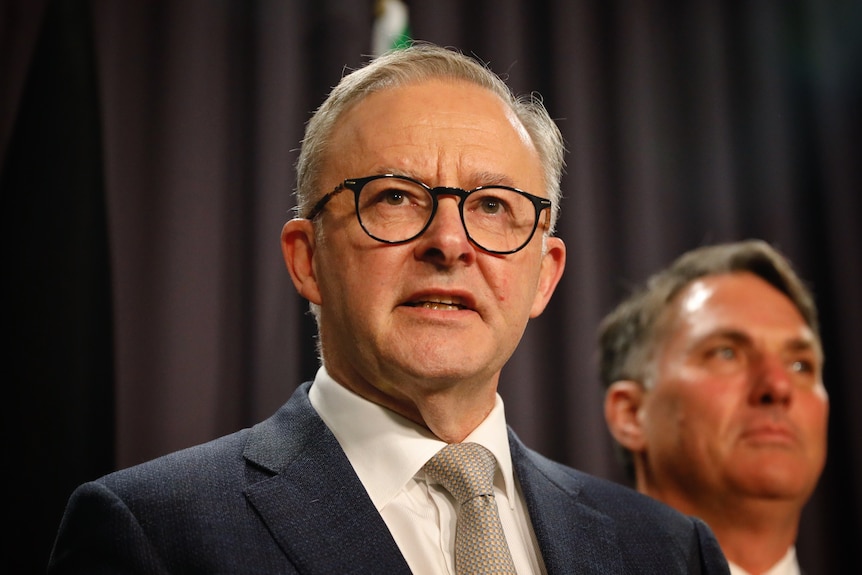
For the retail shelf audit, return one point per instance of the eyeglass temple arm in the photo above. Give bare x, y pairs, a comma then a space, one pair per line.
321, 203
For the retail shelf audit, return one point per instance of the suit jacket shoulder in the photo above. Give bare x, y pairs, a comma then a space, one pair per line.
585, 524
280, 497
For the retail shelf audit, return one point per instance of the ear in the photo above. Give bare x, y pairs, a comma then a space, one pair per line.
553, 264
623, 401
297, 247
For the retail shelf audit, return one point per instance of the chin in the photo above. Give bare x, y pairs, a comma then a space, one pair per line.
450, 372
778, 482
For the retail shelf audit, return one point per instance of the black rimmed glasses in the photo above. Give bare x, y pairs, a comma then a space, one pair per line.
396, 209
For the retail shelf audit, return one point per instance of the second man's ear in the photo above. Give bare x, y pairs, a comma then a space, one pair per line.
623, 401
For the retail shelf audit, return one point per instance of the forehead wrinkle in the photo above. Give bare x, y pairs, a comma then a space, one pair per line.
423, 153
471, 170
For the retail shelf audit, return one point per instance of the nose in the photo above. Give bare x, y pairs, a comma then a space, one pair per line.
773, 384
445, 242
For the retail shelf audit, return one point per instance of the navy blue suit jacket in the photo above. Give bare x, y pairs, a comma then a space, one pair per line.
282, 497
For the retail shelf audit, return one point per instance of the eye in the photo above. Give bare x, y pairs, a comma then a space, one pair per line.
489, 202
392, 197
490, 205
723, 352
392, 193
802, 366
725, 358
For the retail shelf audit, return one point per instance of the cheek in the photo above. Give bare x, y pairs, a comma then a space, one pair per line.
815, 409
514, 293
674, 434
512, 284
659, 417
498, 278
677, 413
501, 288
354, 281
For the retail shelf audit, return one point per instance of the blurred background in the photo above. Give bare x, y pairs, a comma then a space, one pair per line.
146, 169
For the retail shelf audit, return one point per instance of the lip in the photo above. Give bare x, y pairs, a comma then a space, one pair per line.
770, 433
440, 300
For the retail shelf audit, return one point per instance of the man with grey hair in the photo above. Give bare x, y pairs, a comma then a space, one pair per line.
715, 393
427, 195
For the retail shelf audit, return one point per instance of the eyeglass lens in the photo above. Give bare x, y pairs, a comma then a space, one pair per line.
394, 209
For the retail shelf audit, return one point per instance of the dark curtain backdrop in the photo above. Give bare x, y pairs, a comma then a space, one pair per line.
147, 168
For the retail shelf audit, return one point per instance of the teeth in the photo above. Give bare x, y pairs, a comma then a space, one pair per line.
440, 303
437, 305
447, 300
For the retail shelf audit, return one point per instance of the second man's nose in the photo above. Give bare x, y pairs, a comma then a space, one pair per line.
773, 384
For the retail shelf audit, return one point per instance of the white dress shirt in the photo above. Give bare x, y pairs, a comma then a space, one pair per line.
387, 452
788, 565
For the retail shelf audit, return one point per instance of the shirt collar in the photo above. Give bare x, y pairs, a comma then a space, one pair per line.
385, 449
787, 565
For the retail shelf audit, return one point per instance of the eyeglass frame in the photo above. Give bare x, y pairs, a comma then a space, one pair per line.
355, 185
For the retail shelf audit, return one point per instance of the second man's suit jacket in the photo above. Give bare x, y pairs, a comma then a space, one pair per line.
282, 497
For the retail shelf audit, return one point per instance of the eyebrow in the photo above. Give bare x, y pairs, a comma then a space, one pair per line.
800, 344
476, 179
493, 179
394, 171
735, 335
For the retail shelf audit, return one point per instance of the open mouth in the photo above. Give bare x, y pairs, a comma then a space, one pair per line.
443, 304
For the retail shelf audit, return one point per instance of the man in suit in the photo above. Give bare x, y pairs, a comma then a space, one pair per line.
422, 264
715, 390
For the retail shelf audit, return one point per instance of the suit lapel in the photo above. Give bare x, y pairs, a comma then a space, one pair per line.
573, 537
321, 516
315, 506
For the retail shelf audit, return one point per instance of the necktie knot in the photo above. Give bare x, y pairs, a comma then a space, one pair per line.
466, 470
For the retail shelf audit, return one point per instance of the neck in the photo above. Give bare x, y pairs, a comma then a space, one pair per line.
450, 410
453, 418
754, 548
754, 533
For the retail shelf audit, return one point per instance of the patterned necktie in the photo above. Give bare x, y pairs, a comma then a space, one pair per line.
466, 470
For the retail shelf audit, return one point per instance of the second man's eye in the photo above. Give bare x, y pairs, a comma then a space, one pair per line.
724, 352
802, 366
727, 353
